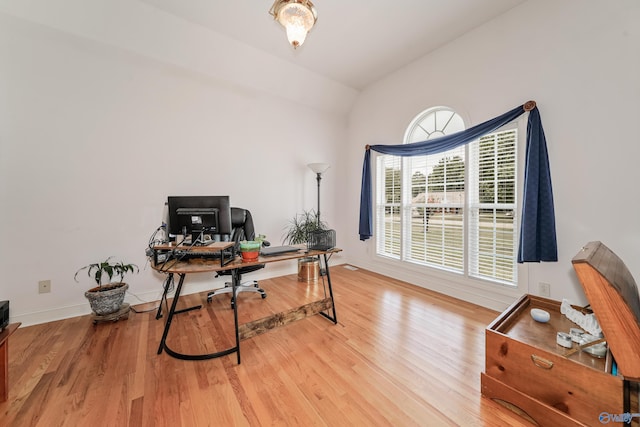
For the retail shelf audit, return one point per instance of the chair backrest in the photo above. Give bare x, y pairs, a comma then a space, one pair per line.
242, 225
242, 229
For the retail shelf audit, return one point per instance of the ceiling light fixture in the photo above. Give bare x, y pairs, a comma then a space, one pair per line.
296, 16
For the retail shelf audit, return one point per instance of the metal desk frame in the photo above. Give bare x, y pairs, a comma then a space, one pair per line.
182, 268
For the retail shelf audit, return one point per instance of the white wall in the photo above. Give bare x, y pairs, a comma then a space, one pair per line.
580, 60
102, 118
98, 127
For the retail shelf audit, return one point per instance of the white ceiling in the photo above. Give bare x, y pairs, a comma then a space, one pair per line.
355, 42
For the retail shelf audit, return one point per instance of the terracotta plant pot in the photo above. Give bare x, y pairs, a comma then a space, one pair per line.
250, 256
250, 250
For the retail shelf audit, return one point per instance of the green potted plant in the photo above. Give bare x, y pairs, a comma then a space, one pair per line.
300, 228
250, 249
108, 298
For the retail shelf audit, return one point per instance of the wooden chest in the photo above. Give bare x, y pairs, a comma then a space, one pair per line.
528, 372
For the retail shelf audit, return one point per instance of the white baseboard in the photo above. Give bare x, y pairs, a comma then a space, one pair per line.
198, 284
491, 297
51, 315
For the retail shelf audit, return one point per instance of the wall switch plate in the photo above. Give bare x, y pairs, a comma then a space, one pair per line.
44, 286
544, 289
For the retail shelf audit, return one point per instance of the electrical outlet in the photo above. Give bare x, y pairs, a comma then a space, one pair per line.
544, 289
44, 286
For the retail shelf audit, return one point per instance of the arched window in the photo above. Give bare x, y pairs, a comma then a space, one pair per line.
454, 210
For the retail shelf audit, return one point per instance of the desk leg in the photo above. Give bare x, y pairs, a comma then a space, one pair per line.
172, 311
334, 319
235, 282
167, 284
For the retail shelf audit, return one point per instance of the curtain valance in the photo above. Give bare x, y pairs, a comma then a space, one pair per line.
537, 224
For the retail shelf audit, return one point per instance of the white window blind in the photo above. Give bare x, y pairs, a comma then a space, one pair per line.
388, 206
492, 207
454, 210
435, 210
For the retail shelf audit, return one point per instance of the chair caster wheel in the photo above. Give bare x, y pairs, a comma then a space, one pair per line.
264, 296
208, 299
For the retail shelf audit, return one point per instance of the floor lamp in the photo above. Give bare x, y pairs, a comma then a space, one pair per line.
319, 169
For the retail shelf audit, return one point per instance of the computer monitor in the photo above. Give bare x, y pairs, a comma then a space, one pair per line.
204, 218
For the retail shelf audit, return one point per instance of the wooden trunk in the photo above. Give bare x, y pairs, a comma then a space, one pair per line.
528, 372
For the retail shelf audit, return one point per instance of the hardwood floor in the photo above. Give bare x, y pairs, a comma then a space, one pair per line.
399, 356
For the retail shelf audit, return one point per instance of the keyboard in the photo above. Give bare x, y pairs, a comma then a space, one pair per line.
278, 250
183, 255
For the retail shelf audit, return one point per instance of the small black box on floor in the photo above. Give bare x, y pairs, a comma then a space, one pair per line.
4, 314
322, 240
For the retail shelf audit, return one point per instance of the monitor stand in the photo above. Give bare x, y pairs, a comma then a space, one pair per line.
198, 238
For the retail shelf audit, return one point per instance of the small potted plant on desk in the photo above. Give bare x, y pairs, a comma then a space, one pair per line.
299, 230
107, 300
250, 249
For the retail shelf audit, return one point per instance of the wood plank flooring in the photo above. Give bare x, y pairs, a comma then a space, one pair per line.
399, 356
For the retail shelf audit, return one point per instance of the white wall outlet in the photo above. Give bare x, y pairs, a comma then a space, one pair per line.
544, 289
44, 286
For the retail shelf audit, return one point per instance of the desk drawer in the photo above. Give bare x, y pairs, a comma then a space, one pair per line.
577, 390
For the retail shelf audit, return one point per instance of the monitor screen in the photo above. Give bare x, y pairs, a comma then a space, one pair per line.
203, 218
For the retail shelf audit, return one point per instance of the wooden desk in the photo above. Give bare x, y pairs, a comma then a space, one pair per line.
4, 360
204, 265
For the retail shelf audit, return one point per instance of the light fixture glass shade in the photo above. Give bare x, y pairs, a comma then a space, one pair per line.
297, 17
318, 167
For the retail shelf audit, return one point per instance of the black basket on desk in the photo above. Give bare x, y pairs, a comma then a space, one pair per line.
321, 240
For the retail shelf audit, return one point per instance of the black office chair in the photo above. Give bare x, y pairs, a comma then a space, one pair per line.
242, 229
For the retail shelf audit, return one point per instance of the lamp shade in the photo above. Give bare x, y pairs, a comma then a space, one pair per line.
318, 167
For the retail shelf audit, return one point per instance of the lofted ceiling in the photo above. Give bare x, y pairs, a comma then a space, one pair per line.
355, 42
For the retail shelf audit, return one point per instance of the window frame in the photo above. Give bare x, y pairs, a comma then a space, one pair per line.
453, 279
